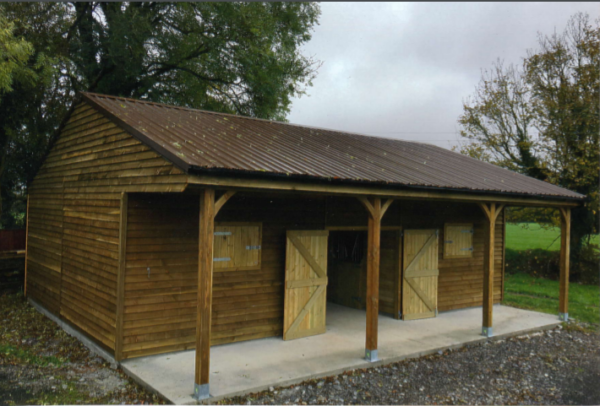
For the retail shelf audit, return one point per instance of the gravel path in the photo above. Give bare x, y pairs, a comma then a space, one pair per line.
560, 366
41, 364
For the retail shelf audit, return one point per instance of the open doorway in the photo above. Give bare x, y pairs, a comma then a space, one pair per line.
347, 270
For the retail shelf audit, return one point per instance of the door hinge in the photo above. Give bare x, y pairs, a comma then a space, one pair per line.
222, 232
467, 249
448, 241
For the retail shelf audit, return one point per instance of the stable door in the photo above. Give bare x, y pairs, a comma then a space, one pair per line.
420, 274
305, 283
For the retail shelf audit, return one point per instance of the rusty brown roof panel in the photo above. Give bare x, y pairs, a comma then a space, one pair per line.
198, 139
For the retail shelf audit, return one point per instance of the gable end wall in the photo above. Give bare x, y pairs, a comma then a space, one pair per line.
74, 208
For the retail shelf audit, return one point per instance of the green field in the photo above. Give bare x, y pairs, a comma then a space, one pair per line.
529, 292
540, 294
533, 236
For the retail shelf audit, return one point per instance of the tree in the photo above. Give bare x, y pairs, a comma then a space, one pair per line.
23, 71
241, 58
542, 119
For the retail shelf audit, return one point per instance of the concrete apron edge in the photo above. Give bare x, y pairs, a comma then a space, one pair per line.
366, 365
152, 389
92, 346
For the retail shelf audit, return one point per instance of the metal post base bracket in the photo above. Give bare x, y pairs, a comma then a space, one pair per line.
486, 332
201, 391
371, 355
563, 316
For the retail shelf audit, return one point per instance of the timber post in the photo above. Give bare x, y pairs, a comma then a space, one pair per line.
376, 211
565, 248
123, 216
491, 210
208, 211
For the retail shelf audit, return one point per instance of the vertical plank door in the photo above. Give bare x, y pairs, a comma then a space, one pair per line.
305, 284
420, 274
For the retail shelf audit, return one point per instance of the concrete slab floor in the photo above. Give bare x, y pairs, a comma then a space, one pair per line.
253, 366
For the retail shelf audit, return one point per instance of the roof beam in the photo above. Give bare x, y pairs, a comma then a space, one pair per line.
353, 190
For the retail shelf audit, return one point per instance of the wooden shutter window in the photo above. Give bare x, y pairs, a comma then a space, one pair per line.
237, 247
458, 240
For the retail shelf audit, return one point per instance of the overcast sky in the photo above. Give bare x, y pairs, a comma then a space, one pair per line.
402, 70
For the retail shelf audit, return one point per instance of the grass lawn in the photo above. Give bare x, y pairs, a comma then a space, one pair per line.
534, 236
528, 292
535, 293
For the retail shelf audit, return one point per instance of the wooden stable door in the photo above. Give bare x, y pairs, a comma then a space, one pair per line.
420, 274
305, 284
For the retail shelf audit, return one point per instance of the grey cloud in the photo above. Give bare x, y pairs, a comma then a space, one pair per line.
402, 70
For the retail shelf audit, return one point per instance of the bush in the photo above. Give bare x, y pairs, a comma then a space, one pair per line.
546, 264
536, 262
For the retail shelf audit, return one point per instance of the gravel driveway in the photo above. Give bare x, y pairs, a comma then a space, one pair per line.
559, 366
41, 364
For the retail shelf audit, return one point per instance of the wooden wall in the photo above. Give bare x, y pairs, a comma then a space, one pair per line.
160, 309
161, 274
249, 304
73, 256
460, 282
74, 218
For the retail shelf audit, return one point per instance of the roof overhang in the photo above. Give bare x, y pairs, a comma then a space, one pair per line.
241, 180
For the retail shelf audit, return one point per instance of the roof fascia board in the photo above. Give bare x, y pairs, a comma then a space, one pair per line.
138, 135
353, 190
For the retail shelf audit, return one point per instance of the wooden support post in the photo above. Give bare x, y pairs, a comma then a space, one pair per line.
491, 210
376, 211
208, 211
121, 276
565, 250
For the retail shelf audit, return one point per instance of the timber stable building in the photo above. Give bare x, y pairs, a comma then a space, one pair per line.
154, 229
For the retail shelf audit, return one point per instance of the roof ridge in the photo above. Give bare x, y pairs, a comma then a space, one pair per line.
170, 106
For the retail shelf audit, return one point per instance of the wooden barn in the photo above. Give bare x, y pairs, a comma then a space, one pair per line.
154, 229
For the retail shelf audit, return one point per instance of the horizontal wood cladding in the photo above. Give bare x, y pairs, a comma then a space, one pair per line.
161, 273
160, 309
460, 282
74, 218
249, 304
460, 279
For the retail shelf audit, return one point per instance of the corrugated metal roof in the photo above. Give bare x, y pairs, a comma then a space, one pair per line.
198, 139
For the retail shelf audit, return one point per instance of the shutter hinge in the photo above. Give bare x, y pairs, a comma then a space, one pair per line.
252, 247
448, 241
467, 231
467, 249
221, 259
222, 232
